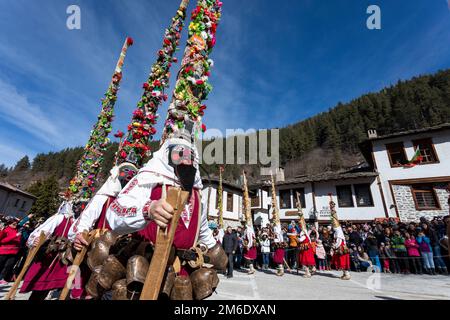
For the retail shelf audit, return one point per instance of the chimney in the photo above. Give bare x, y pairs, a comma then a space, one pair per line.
372, 134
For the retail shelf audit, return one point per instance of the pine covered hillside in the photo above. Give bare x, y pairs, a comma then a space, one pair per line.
327, 141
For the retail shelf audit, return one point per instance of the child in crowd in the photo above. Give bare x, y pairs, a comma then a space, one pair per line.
321, 255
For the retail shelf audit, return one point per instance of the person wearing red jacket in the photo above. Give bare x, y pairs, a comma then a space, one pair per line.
10, 238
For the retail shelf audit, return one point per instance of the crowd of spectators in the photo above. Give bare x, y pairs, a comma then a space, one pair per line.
14, 234
388, 246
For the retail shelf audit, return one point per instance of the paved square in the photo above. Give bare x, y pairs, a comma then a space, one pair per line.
323, 286
327, 285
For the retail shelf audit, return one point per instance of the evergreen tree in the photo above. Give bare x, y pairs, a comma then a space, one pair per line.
3, 171
47, 201
22, 165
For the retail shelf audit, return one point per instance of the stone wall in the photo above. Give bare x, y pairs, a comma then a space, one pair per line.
407, 209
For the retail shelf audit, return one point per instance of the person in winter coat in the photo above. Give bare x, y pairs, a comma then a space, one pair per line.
364, 261
433, 235
10, 239
265, 250
321, 255
384, 258
413, 253
230, 245
25, 228
427, 252
398, 246
372, 249
390, 255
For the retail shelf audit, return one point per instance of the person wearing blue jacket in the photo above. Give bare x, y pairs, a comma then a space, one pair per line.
426, 252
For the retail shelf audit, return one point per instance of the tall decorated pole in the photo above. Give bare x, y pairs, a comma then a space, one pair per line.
275, 210
250, 252
280, 245
192, 86
301, 216
247, 203
333, 214
220, 201
82, 186
134, 148
181, 127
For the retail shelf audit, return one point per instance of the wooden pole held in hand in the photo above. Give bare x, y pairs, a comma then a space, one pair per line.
164, 240
76, 264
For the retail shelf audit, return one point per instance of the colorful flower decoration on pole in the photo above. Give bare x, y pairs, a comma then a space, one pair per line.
275, 210
246, 202
135, 147
82, 186
192, 85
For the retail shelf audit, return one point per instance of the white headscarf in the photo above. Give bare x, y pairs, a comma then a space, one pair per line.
339, 236
112, 186
65, 208
157, 170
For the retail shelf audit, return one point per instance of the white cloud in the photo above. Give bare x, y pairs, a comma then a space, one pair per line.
9, 155
16, 109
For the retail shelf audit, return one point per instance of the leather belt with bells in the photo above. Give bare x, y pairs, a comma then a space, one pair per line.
194, 257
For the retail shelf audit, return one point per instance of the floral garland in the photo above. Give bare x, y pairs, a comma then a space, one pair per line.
82, 186
246, 202
276, 212
192, 84
134, 148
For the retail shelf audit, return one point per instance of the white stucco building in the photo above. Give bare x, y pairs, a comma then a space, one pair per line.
387, 186
231, 201
411, 192
356, 193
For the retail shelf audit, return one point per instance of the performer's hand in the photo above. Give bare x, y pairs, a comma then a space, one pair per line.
80, 242
161, 212
35, 242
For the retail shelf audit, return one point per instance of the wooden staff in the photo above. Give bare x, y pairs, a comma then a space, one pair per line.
30, 257
287, 265
220, 201
164, 240
89, 237
275, 212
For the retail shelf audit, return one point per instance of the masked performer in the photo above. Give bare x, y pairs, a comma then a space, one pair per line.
139, 207
250, 249
280, 245
49, 271
341, 254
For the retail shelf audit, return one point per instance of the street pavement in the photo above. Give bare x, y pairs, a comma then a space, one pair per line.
323, 286
327, 286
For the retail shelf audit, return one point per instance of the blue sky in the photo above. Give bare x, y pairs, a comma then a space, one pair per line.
276, 62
